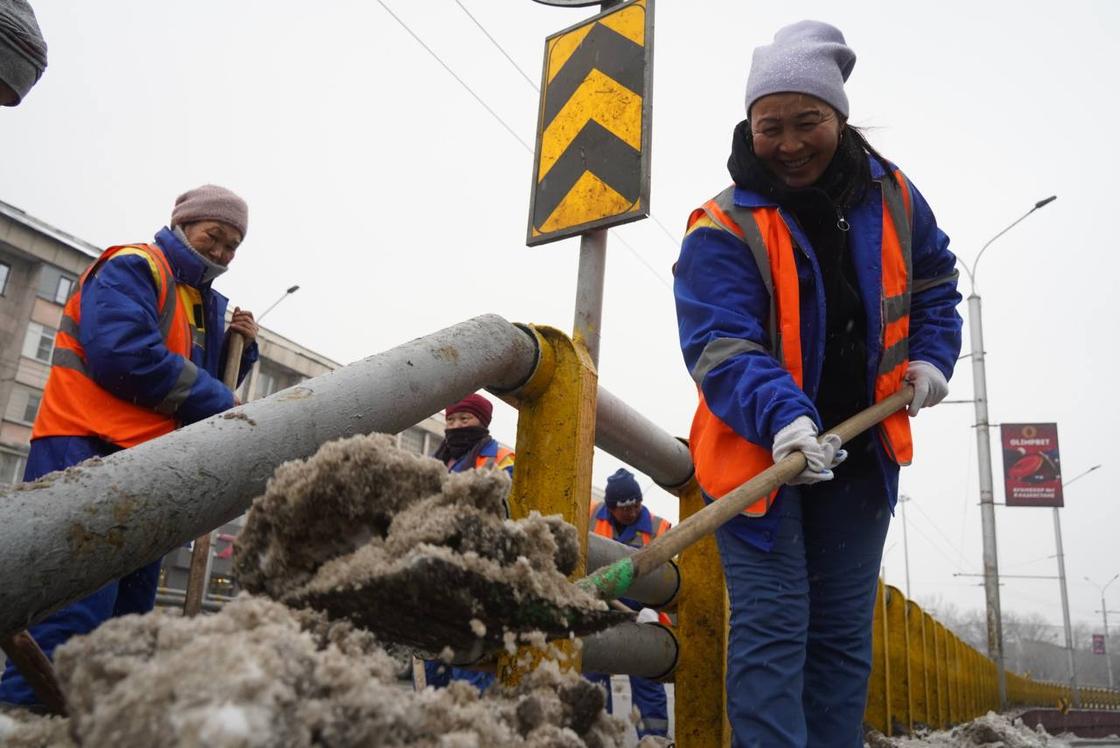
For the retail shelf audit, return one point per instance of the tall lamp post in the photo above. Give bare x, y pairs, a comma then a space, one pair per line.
1104, 615
1065, 596
984, 461
291, 290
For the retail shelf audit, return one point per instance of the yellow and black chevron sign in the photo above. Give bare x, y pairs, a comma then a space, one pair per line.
592, 161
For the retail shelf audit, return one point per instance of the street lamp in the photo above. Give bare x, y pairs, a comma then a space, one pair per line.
1065, 596
903, 500
1104, 615
984, 461
291, 290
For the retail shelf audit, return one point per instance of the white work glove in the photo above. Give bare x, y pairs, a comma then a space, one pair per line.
821, 456
647, 615
930, 386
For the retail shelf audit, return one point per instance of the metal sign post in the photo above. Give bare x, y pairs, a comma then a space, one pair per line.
592, 167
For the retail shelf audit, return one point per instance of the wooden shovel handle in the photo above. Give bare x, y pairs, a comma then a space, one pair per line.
707, 520
200, 555
36, 669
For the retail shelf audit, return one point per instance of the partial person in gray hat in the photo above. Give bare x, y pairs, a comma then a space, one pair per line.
140, 351
23, 53
815, 285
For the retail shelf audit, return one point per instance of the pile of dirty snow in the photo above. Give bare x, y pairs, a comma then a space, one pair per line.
20, 728
990, 730
260, 674
390, 541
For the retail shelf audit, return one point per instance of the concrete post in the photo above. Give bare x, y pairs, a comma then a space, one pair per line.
987, 505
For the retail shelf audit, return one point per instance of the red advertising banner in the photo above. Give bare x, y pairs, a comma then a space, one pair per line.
1098, 644
1032, 470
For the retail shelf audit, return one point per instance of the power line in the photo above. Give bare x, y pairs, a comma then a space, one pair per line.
643, 261
499, 46
936, 546
509, 129
674, 240
451, 72
960, 554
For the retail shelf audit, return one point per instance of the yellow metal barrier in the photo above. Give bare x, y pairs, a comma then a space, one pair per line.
923, 675
702, 611
555, 443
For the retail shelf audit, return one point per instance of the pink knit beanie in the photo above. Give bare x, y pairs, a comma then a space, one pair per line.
211, 203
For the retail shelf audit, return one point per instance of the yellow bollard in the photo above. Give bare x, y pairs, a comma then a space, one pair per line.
936, 671
877, 712
944, 676
555, 442
919, 675
898, 654
702, 612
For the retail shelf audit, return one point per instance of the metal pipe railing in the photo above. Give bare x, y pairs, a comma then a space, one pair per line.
71, 532
646, 649
657, 590
631, 437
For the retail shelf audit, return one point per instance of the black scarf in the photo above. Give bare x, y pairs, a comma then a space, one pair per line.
459, 442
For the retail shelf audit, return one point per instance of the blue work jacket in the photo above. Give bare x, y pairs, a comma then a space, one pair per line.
720, 294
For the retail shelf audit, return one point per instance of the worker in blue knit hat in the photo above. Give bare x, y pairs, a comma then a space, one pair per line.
622, 518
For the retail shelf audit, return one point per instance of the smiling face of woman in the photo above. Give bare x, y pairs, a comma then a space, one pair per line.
795, 135
214, 240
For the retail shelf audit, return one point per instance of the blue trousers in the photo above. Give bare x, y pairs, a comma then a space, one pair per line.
799, 654
648, 696
439, 675
133, 593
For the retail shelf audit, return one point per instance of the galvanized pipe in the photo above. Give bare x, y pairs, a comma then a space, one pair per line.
55, 548
588, 324
631, 437
646, 649
658, 590
70, 533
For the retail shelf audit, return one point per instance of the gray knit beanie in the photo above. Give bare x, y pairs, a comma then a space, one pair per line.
23, 53
808, 57
211, 203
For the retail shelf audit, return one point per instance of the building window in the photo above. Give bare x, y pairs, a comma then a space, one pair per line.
11, 467
63, 289
39, 342
55, 284
31, 409
434, 440
413, 440
4, 270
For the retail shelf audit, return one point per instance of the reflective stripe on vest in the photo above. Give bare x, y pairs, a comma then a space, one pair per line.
605, 528
483, 461
74, 405
723, 459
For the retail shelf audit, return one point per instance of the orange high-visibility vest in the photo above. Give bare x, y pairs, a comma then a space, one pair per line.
606, 529
723, 459
74, 405
498, 459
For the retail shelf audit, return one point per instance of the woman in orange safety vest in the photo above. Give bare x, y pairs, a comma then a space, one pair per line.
815, 285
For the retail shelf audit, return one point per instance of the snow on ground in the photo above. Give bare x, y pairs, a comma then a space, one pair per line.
258, 674
990, 731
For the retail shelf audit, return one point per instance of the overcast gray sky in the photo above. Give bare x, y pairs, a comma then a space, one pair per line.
377, 183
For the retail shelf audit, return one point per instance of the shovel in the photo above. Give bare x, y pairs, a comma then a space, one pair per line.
200, 555
611, 582
429, 604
